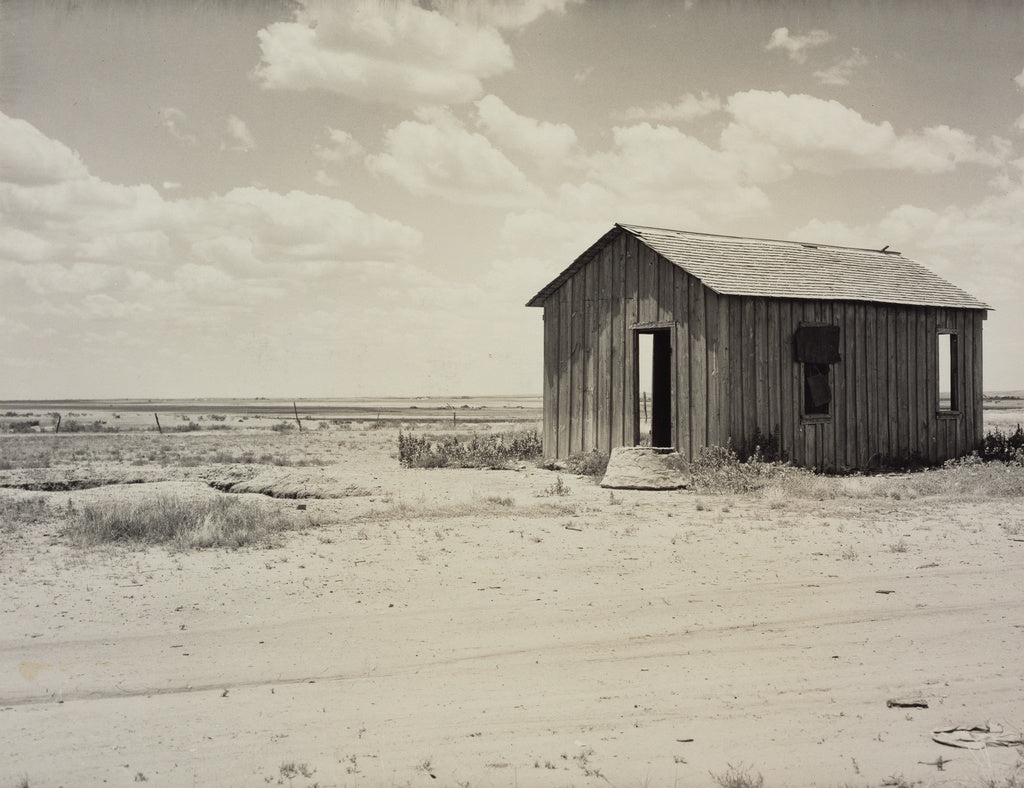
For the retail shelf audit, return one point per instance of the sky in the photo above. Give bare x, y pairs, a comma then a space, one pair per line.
220, 198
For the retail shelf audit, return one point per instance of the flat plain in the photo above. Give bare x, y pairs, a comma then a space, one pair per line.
481, 627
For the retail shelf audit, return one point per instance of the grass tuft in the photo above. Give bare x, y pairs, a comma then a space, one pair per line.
179, 522
738, 777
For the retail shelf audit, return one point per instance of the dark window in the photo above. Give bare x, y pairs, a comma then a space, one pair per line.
817, 391
817, 344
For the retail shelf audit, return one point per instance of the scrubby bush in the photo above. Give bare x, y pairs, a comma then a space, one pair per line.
718, 469
475, 451
592, 463
1003, 446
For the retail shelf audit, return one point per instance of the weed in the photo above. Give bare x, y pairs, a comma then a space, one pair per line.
500, 450
738, 777
899, 547
21, 511
849, 553
500, 500
558, 487
180, 522
291, 770
591, 463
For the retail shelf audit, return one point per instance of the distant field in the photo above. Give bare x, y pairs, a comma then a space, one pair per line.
1003, 410
207, 414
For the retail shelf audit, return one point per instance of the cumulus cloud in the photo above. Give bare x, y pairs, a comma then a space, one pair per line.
30, 158
393, 52
549, 144
64, 231
776, 133
840, 72
689, 107
174, 120
501, 13
796, 46
437, 155
241, 138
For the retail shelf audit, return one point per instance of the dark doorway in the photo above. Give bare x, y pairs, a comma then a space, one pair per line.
654, 386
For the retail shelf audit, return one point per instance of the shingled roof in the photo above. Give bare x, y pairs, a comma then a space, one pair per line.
787, 269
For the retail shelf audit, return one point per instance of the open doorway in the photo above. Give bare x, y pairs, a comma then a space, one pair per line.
653, 386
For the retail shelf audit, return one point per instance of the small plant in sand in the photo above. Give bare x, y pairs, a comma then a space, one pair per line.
738, 777
557, 487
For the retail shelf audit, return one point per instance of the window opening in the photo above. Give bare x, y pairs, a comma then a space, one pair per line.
817, 391
948, 380
816, 348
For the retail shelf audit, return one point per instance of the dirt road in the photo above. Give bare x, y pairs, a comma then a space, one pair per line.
465, 628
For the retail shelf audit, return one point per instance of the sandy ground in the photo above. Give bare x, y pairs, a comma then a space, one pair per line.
467, 627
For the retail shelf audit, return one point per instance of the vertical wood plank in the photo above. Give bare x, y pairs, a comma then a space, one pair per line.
748, 375
712, 407
871, 380
681, 307
931, 385
735, 430
893, 388
698, 368
604, 352
721, 436
789, 427
630, 416
576, 363
924, 346
590, 333
840, 391
903, 364
977, 316
881, 393
618, 354
774, 369
550, 435
564, 367
863, 413
761, 366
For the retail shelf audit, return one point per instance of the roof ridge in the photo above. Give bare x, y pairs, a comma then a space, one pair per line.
630, 227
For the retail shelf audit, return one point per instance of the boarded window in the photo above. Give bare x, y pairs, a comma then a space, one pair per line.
817, 344
817, 391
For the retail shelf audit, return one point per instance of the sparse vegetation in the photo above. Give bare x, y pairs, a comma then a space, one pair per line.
178, 522
738, 777
591, 463
1003, 446
499, 450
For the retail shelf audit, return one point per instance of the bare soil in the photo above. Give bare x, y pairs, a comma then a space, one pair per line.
471, 627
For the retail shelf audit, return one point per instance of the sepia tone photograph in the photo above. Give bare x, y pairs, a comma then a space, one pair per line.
512, 393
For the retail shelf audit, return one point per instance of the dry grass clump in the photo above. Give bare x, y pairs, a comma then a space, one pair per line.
500, 450
591, 463
718, 469
179, 522
21, 511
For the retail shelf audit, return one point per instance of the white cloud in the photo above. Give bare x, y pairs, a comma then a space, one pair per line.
238, 131
796, 46
342, 146
549, 144
840, 72
500, 13
392, 52
173, 119
80, 235
1019, 79
437, 155
30, 158
689, 107
775, 134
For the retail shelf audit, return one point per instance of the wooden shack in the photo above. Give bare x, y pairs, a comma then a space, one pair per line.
844, 358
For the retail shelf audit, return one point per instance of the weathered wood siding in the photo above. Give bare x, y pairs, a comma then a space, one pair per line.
734, 372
